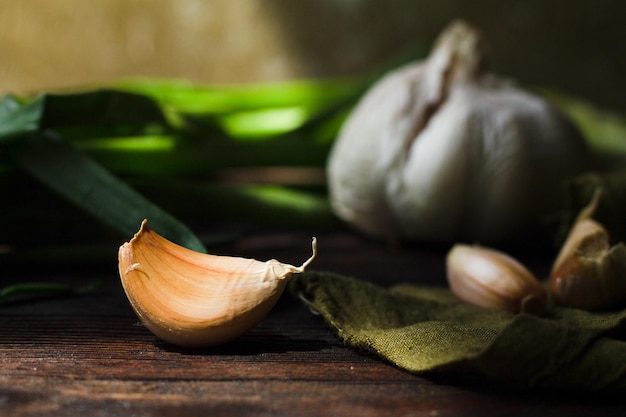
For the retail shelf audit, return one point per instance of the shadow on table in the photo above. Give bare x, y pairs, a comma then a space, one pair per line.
254, 345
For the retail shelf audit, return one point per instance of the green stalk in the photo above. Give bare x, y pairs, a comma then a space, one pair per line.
89, 186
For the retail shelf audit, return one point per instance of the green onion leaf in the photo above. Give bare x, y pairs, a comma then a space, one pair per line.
17, 120
91, 187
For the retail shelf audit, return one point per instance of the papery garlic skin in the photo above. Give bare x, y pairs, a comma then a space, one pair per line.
440, 150
589, 273
493, 279
594, 278
193, 299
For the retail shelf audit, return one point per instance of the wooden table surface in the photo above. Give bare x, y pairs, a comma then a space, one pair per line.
88, 355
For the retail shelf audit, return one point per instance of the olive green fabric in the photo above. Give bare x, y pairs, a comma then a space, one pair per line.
426, 330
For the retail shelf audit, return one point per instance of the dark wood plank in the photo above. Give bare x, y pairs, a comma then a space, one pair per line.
119, 348
62, 397
88, 355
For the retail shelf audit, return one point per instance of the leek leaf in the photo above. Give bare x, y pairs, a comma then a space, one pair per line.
17, 120
89, 186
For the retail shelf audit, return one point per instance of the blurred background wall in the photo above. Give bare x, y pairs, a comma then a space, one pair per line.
577, 46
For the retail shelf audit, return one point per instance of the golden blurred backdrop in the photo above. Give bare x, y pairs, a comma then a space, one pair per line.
577, 46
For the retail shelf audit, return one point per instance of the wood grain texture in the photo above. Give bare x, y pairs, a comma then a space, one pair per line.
89, 356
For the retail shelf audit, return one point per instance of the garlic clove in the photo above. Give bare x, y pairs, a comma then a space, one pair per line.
589, 273
194, 299
583, 226
593, 278
493, 279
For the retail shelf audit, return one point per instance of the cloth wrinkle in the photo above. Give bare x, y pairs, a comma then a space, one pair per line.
426, 330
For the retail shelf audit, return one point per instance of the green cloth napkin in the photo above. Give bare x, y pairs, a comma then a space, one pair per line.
427, 330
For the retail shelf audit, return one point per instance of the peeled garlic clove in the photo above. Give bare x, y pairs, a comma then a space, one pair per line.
194, 299
589, 273
492, 279
442, 150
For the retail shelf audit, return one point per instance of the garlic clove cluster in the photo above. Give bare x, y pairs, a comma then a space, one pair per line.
492, 279
589, 273
442, 150
193, 299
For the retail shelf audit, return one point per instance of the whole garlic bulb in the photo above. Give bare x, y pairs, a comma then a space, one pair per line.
442, 150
